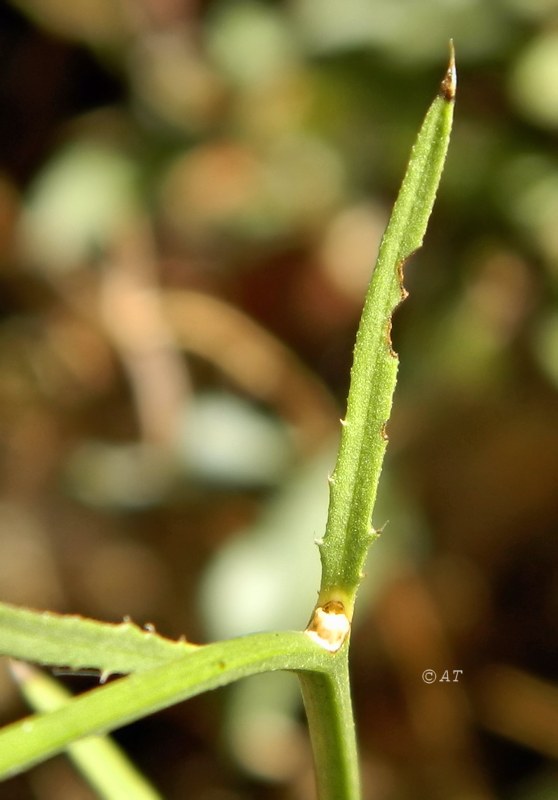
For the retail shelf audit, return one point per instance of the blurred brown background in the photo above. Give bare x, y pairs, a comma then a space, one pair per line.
191, 197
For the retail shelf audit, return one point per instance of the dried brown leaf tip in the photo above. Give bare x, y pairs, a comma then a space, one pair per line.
449, 84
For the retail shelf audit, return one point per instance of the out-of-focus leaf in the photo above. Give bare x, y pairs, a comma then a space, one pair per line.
226, 441
407, 30
273, 561
120, 476
251, 42
527, 191
533, 82
83, 198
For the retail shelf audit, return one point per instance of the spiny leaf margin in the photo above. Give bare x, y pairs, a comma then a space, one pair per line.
47, 638
354, 482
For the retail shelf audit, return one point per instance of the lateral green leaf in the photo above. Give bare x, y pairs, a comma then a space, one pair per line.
78, 643
129, 698
354, 482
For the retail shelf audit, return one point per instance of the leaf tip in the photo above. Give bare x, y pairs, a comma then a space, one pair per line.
448, 86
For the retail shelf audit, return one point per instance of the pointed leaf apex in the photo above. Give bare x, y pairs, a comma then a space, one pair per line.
449, 84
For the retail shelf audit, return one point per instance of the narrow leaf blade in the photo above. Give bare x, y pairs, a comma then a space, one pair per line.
354, 482
127, 699
78, 643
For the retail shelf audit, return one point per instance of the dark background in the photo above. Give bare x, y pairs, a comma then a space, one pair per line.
191, 197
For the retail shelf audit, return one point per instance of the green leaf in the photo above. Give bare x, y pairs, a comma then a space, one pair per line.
98, 758
319, 655
130, 698
71, 641
354, 482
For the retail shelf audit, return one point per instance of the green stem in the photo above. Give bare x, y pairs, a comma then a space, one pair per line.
327, 701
